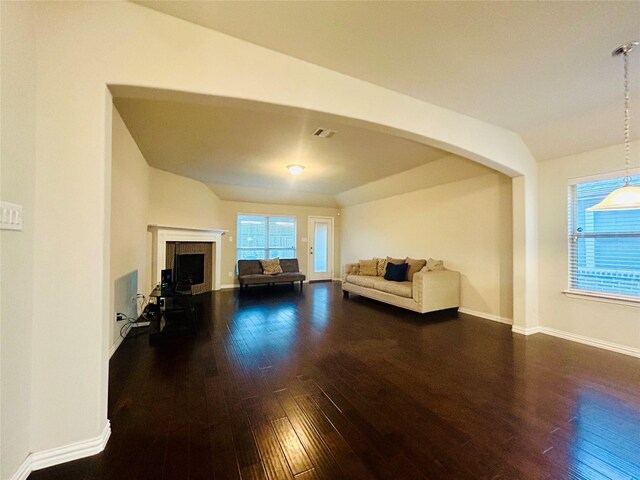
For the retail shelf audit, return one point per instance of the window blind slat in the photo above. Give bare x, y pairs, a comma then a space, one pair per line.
604, 247
265, 236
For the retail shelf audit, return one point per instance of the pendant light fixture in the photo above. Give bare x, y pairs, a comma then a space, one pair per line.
626, 197
295, 169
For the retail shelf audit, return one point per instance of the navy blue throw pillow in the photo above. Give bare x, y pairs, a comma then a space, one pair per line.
396, 273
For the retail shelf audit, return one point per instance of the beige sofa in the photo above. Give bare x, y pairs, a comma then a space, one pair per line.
429, 291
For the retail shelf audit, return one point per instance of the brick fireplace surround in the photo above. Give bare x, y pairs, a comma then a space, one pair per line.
210, 240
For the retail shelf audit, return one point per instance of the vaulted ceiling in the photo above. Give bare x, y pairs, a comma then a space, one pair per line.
241, 149
542, 69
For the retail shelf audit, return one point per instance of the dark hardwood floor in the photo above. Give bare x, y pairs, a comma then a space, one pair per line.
279, 384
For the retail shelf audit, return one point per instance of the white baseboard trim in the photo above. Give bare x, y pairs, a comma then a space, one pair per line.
58, 455
23, 470
593, 342
73, 451
237, 285
525, 331
487, 316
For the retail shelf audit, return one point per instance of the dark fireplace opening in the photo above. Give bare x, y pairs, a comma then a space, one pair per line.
190, 268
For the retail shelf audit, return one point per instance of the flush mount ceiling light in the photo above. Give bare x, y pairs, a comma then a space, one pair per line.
626, 197
295, 169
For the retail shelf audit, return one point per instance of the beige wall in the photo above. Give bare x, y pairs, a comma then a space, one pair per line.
81, 47
466, 223
177, 201
140, 196
17, 185
143, 195
230, 211
618, 324
130, 192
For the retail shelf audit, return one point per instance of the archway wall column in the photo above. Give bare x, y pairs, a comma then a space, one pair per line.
525, 254
82, 48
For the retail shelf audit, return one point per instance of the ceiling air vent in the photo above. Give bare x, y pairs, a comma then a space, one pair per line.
324, 133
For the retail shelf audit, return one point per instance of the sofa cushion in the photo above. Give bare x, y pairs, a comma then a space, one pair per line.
362, 280
351, 269
414, 267
396, 273
368, 267
249, 267
402, 289
395, 261
270, 267
435, 265
382, 266
289, 265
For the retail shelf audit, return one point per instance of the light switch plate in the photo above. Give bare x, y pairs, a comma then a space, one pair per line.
10, 216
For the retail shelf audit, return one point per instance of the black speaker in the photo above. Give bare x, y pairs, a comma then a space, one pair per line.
166, 279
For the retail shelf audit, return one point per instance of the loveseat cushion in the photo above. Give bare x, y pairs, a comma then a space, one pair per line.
272, 266
362, 280
249, 267
402, 289
287, 277
289, 265
254, 278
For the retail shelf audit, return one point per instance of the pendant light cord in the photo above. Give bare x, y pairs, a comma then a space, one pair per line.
627, 148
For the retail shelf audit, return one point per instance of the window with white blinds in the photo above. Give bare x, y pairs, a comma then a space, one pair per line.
265, 236
604, 247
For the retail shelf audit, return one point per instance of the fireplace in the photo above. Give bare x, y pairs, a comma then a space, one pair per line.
190, 268
191, 245
191, 263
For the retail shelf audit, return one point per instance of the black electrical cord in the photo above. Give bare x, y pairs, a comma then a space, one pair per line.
142, 304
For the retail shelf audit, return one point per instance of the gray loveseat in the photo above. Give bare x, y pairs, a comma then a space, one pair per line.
250, 273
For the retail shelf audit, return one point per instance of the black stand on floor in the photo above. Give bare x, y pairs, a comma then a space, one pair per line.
174, 312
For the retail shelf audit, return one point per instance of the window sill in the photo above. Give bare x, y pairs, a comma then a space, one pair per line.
603, 297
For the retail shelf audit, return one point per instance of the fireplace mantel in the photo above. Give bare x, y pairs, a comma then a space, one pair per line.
163, 234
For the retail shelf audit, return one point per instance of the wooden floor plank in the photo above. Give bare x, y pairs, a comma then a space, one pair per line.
290, 443
273, 459
282, 384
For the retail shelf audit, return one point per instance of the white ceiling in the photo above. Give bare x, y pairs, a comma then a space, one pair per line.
532, 67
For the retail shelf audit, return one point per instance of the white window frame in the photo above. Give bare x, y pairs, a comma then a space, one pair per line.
587, 294
267, 216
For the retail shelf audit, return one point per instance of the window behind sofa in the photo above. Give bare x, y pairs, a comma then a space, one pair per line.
604, 247
266, 236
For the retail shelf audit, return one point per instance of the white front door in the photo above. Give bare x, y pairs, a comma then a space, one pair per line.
320, 248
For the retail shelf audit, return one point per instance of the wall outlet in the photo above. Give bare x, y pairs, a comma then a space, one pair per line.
10, 216
230, 238
230, 274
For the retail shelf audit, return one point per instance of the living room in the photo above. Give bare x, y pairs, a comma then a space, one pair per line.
492, 207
